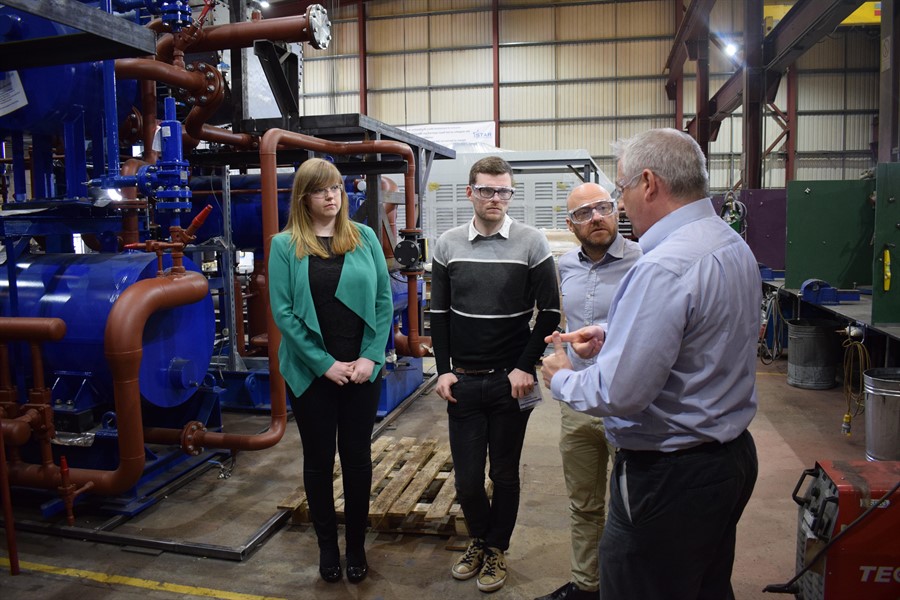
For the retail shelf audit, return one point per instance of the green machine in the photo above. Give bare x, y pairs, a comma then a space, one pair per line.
886, 246
829, 232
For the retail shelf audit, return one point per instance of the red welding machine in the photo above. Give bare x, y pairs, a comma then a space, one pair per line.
848, 532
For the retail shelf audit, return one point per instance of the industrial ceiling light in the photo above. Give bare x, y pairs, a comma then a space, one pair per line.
731, 49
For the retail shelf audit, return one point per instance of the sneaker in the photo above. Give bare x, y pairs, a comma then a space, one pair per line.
469, 564
493, 573
570, 591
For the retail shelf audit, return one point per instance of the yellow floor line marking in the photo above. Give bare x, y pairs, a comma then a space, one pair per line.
769, 373
138, 583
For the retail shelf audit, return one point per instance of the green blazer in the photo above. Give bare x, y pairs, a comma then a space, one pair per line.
364, 287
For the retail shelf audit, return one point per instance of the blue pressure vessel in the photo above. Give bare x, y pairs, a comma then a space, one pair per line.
81, 289
44, 98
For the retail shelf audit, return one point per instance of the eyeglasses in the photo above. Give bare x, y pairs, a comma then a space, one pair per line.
319, 193
486, 192
585, 212
621, 187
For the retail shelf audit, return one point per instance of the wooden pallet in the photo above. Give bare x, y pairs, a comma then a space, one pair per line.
412, 489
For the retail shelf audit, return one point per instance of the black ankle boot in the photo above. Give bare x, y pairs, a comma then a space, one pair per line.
357, 567
330, 565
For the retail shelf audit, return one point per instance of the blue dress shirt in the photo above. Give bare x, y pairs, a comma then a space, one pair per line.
588, 287
678, 366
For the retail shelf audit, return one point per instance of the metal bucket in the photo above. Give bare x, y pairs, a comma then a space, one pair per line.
882, 388
814, 350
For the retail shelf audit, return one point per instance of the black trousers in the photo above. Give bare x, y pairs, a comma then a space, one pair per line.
670, 534
328, 416
486, 422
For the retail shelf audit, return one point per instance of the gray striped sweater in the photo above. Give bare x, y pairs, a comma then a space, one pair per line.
483, 296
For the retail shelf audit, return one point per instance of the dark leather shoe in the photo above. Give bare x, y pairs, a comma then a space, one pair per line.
332, 574
356, 573
570, 591
330, 564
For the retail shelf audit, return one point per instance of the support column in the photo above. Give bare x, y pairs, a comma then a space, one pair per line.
790, 161
495, 51
363, 59
888, 118
698, 50
754, 88
677, 74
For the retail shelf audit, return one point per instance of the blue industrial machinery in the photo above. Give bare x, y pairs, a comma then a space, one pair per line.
81, 289
154, 328
246, 208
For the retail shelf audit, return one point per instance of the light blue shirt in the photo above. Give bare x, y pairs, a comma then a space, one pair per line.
588, 287
678, 366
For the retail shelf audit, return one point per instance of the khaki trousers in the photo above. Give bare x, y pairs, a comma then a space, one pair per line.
585, 458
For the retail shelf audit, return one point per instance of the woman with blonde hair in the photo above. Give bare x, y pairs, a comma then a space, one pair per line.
330, 294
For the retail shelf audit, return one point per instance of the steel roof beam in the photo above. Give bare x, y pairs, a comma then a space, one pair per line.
802, 27
696, 19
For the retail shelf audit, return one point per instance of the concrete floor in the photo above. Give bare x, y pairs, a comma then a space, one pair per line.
793, 429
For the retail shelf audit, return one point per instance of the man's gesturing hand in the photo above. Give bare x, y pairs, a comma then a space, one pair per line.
556, 361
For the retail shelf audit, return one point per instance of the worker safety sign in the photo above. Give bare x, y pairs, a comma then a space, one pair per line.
12, 94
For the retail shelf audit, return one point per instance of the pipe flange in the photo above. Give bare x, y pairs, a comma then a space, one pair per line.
318, 27
212, 89
189, 443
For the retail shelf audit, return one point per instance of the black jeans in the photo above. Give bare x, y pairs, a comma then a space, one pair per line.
330, 415
486, 421
670, 533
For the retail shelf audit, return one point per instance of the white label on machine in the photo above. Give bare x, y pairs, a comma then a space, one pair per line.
12, 94
157, 138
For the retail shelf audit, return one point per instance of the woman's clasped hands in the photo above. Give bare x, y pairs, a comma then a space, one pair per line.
357, 371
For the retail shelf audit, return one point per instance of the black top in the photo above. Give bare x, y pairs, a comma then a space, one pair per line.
342, 329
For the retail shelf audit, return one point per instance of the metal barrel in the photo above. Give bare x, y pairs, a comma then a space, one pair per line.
813, 353
882, 388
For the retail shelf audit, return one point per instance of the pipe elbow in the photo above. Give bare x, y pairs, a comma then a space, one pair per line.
415, 346
17, 432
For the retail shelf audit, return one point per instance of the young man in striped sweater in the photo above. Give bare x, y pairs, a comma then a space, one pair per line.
488, 276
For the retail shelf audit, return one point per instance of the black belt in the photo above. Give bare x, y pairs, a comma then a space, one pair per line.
704, 448
461, 371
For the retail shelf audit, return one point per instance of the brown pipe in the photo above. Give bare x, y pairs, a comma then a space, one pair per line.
197, 84
267, 156
194, 133
9, 522
130, 233
19, 430
31, 329
6, 383
148, 107
236, 35
258, 300
37, 361
123, 338
146, 69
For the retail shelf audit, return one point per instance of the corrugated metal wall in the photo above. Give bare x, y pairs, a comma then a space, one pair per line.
582, 74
